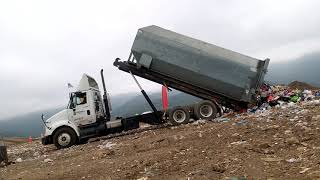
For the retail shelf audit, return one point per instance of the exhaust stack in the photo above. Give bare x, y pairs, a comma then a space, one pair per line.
105, 98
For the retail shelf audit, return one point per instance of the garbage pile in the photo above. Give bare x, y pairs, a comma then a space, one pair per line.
26, 152
280, 96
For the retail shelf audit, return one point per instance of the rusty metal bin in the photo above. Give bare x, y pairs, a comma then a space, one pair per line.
3, 155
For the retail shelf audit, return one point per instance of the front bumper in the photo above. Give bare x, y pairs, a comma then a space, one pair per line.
46, 140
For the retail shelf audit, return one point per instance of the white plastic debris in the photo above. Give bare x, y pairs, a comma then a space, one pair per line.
47, 160
292, 160
238, 142
107, 145
200, 121
304, 170
19, 160
36, 154
291, 104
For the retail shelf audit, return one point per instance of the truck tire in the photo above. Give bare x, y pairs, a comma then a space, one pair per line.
205, 110
179, 115
64, 138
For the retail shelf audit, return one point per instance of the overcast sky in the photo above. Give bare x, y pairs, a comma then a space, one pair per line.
46, 44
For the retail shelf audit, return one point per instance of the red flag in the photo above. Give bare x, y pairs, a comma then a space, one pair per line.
30, 140
165, 102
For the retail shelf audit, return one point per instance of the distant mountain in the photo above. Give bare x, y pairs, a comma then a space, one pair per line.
304, 69
25, 125
121, 99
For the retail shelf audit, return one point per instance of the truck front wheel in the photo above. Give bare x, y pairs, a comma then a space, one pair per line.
64, 138
179, 115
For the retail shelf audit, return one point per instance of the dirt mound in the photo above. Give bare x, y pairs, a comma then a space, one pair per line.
301, 86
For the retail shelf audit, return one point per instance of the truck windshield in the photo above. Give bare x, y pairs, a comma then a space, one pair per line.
77, 98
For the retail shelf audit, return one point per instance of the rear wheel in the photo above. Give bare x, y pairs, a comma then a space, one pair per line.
179, 115
205, 110
64, 138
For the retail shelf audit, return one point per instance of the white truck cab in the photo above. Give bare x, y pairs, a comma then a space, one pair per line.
85, 104
87, 115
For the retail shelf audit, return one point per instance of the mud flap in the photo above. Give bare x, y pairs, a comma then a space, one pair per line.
46, 140
130, 123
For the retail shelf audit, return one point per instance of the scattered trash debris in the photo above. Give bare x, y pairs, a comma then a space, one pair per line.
19, 160
199, 122
222, 120
106, 145
241, 122
47, 160
292, 160
304, 170
238, 142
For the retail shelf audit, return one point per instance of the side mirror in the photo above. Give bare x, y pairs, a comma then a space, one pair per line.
42, 117
71, 106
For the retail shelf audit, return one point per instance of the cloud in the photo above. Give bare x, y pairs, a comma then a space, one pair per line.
46, 44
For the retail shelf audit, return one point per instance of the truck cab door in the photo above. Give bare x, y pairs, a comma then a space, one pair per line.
82, 111
98, 106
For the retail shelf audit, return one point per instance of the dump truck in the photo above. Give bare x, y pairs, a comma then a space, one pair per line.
221, 77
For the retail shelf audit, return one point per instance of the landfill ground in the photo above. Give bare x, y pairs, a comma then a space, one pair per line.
281, 143
12, 141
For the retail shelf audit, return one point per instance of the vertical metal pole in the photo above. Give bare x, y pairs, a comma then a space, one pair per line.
130, 56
